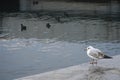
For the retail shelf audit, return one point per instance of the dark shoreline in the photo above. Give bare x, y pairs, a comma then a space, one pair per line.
106, 15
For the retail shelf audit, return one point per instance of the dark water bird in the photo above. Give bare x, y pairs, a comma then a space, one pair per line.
48, 25
23, 27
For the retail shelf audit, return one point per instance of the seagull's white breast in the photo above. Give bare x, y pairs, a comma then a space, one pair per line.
93, 53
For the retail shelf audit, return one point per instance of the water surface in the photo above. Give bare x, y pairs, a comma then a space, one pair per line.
40, 49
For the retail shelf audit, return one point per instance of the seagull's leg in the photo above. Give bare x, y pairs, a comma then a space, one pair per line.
95, 62
92, 62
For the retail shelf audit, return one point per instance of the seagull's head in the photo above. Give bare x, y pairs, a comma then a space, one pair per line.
89, 47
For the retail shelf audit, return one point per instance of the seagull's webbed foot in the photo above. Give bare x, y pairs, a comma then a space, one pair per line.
93, 62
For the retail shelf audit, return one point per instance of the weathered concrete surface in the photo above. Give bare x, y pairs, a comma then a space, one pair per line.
105, 70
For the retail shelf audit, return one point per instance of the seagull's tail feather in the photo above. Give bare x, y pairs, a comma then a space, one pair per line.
107, 57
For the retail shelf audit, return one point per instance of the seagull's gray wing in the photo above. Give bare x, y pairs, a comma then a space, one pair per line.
101, 55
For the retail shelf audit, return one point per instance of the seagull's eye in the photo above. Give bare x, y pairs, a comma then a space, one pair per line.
88, 48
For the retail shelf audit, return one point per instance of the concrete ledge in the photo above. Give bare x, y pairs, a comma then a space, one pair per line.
105, 70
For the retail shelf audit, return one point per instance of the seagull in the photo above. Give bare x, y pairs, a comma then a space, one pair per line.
96, 54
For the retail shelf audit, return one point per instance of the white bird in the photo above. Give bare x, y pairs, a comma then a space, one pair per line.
96, 54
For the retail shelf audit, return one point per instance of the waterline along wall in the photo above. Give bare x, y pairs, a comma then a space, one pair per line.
31, 5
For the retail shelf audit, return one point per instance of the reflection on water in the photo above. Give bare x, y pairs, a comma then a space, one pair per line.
79, 29
32, 46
